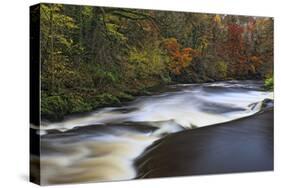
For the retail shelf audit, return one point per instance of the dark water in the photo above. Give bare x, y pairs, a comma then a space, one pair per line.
242, 145
103, 145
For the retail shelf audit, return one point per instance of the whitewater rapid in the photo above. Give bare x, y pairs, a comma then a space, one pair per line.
102, 145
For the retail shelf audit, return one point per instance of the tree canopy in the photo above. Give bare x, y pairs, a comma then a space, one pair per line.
95, 56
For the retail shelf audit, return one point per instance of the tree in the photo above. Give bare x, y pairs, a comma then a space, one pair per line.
180, 58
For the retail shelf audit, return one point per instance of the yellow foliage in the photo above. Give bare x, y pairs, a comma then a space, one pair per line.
217, 19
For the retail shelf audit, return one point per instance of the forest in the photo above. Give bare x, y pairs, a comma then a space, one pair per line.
93, 57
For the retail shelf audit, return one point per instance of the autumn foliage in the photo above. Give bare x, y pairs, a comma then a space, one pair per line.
234, 42
97, 56
181, 57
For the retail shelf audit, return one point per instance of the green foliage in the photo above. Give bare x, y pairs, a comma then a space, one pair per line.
112, 30
149, 63
76, 104
53, 107
137, 57
104, 100
101, 77
221, 68
269, 83
124, 96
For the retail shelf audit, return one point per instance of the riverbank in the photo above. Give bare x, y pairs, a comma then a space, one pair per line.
242, 145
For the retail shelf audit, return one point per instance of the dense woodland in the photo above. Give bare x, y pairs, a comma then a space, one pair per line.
96, 56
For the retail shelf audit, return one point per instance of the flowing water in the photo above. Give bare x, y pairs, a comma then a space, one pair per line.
102, 145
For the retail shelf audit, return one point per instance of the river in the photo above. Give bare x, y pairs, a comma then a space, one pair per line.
103, 145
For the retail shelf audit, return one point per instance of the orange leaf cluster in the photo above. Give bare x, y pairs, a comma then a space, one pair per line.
180, 57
